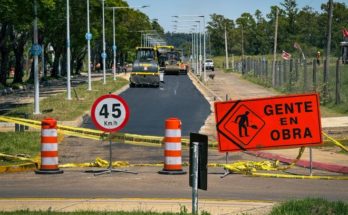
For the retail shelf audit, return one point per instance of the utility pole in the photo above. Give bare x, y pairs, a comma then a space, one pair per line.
275, 49
328, 47
242, 42
68, 72
226, 50
36, 62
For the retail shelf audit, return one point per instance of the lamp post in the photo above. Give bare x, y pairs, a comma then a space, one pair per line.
195, 44
35, 51
204, 43
88, 38
114, 47
68, 50
103, 55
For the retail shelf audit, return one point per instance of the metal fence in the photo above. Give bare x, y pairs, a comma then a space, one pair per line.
297, 76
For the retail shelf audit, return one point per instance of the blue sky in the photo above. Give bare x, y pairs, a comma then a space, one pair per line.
163, 10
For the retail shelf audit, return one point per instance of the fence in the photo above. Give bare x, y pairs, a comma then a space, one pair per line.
298, 76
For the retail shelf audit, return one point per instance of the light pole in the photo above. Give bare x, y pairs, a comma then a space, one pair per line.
35, 52
204, 42
114, 47
103, 55
88, 38
68, 50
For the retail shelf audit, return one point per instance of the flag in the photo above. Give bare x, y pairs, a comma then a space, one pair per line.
345, 32
286, 56
297, 46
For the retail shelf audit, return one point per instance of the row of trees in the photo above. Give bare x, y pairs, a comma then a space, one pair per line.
253, 34
16, 33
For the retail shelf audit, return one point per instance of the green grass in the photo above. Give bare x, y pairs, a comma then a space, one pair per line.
310, 207
59, 108
19, 143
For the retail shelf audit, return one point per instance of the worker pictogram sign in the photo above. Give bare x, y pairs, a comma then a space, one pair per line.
274, 122
110, 113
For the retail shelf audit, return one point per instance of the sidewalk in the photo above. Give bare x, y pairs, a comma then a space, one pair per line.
230, 86
158, 205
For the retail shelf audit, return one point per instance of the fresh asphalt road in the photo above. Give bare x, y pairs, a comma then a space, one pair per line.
176, 97
149, 110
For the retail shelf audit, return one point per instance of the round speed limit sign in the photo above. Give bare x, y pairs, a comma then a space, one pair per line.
110, 113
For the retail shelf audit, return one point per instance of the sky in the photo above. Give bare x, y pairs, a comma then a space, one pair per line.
163, 10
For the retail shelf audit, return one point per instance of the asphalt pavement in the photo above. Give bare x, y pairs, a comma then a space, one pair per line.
234, 194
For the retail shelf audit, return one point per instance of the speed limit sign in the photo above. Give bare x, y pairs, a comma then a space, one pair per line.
110, 113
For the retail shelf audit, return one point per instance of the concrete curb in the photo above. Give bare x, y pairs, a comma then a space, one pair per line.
302, 163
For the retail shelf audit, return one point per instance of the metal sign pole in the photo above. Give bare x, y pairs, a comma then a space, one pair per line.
310, 162
195, 179
109, 170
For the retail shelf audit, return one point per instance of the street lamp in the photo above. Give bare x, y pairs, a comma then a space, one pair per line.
35, 51
103, 55
68, 50
114, 47
196, 51
193, 44
204, 42
88, 38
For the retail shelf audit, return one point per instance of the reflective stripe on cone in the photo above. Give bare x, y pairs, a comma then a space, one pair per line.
49, 148
172, 148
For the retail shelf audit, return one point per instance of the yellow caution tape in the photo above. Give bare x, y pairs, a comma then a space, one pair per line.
17, 157
97, 163
335, 142
31, 163
18, 168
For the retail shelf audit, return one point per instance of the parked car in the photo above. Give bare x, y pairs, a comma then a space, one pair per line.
209, 64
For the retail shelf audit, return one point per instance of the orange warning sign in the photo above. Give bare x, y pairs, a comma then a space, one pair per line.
274, 122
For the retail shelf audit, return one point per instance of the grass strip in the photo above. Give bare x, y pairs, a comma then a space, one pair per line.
58, 107
310, 206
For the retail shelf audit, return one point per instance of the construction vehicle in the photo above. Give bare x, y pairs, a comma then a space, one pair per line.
145, 69
162, 51
173, 63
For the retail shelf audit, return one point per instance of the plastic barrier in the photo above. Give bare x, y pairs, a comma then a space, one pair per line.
172, 148
49, 148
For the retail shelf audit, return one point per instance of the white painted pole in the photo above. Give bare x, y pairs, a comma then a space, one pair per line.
226, 50
104, 48
68, 50
89, 49
114, 43
36, 69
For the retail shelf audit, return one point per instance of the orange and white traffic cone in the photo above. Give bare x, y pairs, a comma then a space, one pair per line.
172, 148
49, 148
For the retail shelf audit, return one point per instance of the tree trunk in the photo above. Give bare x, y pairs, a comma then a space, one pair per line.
4, 65
18, 76
54, 72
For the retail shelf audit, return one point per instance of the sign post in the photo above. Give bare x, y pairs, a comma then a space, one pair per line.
109, 113
264, 123
198, 166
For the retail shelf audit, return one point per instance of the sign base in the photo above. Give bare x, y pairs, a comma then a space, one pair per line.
172, 172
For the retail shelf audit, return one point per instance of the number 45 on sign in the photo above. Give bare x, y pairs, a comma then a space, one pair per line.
110, 113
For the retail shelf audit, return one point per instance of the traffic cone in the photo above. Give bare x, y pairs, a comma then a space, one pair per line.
172, 148
49, 148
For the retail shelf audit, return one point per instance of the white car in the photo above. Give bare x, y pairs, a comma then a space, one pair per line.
209, 64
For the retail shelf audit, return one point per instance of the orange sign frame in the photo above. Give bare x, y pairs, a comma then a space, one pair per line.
264, 123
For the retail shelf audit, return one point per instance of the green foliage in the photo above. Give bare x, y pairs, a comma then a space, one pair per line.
25, 143
310, 206
254, 34
16, 26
